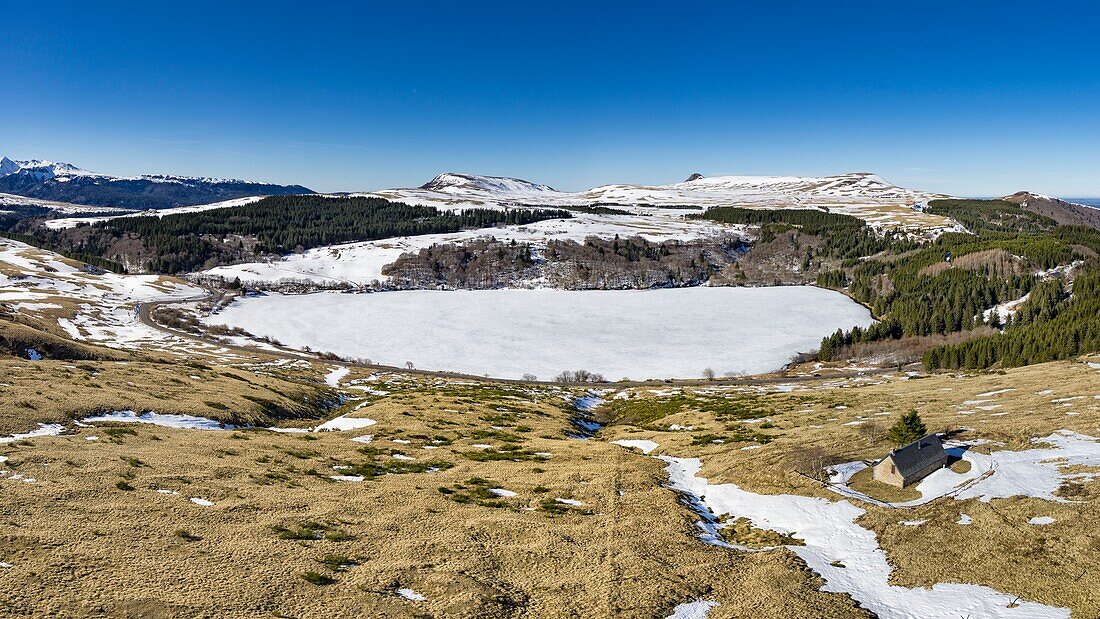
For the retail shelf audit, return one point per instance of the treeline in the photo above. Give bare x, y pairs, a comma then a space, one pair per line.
280, 224
96, 261
846, 237
276, 225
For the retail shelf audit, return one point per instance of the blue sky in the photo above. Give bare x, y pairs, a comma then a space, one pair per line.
983, 99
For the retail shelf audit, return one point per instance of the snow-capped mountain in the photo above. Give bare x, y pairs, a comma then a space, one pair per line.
862, 194
64, 182
41, 169
792, 190
454, 183
698, 190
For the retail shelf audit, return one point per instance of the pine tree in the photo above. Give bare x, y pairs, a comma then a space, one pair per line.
908, 429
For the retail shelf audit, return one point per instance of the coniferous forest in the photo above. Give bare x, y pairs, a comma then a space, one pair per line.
275, 225
947, 286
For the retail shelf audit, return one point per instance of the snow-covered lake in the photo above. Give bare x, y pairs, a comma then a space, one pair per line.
638, 334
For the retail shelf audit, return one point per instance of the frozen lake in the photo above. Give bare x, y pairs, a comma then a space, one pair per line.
637, 334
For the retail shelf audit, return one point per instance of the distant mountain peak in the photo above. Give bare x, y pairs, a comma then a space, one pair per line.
38, 168
694, 177
1061, 211
7, 166
450, 182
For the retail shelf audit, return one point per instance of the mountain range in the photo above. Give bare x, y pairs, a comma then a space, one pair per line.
64, 182
39, 186
456, 189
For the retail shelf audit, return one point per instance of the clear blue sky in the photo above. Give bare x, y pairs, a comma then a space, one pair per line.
966, 98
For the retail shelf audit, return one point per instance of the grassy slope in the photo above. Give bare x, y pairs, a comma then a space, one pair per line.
618, 555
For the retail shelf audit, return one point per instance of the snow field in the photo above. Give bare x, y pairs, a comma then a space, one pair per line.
640, 334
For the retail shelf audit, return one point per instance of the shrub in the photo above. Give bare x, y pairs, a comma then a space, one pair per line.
317, 578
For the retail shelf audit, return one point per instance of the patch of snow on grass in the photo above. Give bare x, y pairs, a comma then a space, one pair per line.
1041, 520
187, 422
573, 502
846, 555
692, 610
333, 378
43, 429
410, 595
644, 445
999, 474
501, 492
964, 519
203, 502
343, 422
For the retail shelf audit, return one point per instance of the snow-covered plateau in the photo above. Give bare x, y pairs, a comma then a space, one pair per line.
359, 264
639, 334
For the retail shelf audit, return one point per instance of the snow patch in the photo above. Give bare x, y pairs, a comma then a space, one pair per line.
645, 446
333, 378
692, 610
43, 429
410, 595
188, 422
844, 554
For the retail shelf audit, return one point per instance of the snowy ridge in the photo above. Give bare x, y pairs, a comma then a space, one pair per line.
454, 183
41, 169
8, 201
70, 222
64, 182
44, 170
860, 194
701, 191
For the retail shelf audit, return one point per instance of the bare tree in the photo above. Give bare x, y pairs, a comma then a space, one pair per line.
812, 462
872, 431
708, 373
530, 378
580, 376
409, 365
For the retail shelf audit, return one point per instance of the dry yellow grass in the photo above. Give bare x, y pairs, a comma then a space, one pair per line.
864, 482
92, 536
628, 551
1054, 564
58, 391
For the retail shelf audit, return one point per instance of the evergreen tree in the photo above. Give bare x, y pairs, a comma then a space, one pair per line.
908, 429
